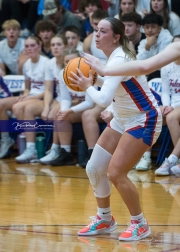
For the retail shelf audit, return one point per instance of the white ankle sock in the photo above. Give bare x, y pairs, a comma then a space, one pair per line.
55, 146
66, 147
173, 159
104, 213
147, 154
138, 218
30, 145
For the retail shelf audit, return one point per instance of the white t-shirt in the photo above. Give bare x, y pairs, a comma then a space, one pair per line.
52, 74
35, 72
130, 95
67, 95
170, 77
9, 56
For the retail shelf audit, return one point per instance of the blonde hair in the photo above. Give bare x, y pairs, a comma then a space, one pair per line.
118, 28
11, 23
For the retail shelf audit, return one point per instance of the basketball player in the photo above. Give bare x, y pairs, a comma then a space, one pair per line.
136, 125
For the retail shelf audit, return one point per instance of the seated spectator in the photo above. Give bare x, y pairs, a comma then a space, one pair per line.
126, 6
65, 118
45, 30
60, 152
33, 71
142, 7
171, 20
10, 47
73, 38
54, 11
170, 76
24, 11
47, 107
88, 7
156, 40
133, 22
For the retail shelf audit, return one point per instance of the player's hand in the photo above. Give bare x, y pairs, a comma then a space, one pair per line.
63, 115
151, 40
94, 62
44, 114
21, 98
106, 116
81, 81
167, 110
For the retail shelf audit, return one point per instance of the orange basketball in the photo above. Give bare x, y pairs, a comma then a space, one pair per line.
83, 67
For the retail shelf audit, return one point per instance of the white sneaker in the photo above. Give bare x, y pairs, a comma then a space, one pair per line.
29, 155
144, 164
164, 169
5, 147
53, 153
176, 170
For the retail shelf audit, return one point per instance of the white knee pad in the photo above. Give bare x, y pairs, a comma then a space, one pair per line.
96, 170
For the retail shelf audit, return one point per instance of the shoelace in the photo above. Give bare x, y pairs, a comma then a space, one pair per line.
131, 227
165, 163
94, 220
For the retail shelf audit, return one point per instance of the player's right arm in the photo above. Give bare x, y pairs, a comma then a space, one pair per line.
138, 67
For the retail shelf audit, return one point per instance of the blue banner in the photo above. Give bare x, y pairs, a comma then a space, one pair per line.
18, 126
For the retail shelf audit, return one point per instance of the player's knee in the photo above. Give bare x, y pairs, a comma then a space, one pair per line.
98, 179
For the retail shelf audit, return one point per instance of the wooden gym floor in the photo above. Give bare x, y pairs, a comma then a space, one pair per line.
42, 208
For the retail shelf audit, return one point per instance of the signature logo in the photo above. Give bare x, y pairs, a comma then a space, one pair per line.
28, 125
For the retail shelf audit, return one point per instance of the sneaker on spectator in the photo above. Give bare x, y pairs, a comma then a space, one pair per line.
6, 147
164, 169
64, 158
176, 170
144, 164
99, 226
84, 163
135, 231
29, 155
52, 154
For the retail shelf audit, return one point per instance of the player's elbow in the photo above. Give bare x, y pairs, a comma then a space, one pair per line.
144, 69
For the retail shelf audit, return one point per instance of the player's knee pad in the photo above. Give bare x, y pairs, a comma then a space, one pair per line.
96, 170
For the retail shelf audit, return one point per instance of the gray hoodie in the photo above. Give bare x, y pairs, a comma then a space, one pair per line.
164, 39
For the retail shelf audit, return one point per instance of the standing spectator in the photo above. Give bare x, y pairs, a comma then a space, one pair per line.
11, 47
133, 22
171, 20
54, 11
45, 30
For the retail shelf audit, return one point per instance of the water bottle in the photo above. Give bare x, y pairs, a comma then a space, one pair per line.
40, 144
82, 151
21, 141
